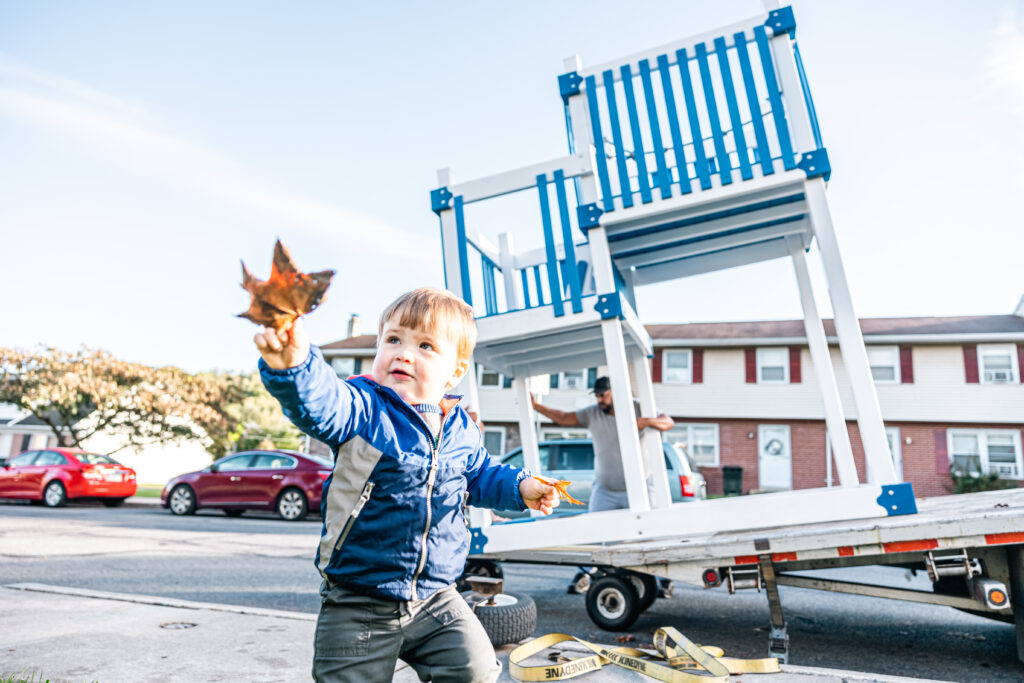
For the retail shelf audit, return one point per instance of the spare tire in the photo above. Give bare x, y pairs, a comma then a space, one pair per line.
512, 617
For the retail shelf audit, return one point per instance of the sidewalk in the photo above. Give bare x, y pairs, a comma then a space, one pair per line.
66, 634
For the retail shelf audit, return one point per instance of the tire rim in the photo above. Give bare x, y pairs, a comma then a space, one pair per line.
611, 603
500, 600
290, 506
53, 494
638, 584
181, 501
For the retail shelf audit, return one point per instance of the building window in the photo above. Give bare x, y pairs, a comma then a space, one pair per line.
773, 365
885, 364
345, 367
677, 367
489, 378
574, 380
997, 364
494, 440
976, 451
700, 440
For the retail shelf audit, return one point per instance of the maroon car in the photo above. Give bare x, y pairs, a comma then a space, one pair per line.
284, 481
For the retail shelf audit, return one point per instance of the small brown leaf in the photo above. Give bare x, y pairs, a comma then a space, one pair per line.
624, 639
286, 294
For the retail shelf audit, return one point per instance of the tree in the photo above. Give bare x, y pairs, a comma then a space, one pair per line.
80, 393
255, 419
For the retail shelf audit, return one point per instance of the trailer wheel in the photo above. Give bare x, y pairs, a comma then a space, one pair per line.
512, 617
612, 603
646, 588
1015, 558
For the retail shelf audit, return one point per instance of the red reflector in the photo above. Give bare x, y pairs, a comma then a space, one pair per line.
783, 557
845, 550
710, 577
746, 559
1008, 537
910, 546
686, 485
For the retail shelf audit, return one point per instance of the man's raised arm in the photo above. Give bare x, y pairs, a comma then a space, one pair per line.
559, 417
662, 423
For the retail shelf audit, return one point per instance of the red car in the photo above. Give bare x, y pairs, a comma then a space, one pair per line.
57, 475
283, 481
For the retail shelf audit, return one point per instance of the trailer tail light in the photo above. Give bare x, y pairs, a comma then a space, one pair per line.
997, 597
711, 578
686, 484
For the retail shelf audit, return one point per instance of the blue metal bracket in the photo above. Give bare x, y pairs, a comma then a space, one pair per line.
815, 164
569, 85
588, 216
898, 499
609, 306
440, 199
477, 540
781, 20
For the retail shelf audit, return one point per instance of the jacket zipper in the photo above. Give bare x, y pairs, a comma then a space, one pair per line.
434, 445
363, 497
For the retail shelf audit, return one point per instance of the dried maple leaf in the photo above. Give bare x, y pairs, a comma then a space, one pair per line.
286, 294
562, 486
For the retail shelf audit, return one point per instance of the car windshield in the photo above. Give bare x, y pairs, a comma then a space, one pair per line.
95, 459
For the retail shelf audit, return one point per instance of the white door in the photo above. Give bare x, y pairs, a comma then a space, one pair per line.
892, 435
775, 458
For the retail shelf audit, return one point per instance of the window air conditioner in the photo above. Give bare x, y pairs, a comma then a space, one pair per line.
998, 376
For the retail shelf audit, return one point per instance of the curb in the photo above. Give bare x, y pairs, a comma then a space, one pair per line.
159, 602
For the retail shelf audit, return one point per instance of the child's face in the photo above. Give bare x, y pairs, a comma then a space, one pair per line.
419, 365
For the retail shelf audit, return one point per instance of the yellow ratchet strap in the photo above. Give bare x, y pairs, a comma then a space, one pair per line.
675, 654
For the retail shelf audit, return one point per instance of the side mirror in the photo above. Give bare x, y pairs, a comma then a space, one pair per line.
3, 463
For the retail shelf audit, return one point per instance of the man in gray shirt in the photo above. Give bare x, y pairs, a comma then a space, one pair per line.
609, 488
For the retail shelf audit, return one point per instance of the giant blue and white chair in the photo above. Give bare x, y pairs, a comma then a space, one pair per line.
696, 156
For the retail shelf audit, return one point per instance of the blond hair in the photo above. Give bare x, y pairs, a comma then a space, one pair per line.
436, 310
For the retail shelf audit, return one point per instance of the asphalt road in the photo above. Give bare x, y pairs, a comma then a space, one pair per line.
258, 560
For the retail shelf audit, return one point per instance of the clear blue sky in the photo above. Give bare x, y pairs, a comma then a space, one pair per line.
146, 147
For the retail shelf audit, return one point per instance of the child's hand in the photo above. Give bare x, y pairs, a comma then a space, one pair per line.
285, 349
539, 496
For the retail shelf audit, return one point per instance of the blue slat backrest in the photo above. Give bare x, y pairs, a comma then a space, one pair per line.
711, 112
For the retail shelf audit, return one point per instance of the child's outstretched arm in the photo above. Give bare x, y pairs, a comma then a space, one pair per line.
285, 349
310, 393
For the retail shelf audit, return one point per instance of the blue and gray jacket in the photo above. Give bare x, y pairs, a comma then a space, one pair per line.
393, 506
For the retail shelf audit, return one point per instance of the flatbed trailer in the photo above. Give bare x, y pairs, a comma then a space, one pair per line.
971, 545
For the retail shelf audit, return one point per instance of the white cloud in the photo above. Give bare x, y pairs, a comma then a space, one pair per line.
1006, 59
111, 126
1005, 78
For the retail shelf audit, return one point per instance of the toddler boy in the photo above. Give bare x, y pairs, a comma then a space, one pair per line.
407, 459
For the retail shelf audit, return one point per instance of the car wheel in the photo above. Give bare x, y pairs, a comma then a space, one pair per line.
612, 603
291, 505
233, 512
55, 495
113, 502
182, 500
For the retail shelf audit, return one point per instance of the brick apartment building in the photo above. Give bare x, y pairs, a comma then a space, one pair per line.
950, 391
